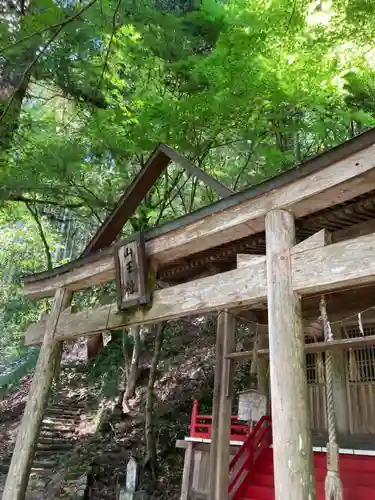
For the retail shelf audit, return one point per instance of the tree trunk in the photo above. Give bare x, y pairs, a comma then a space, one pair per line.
94, 346
15, 73
95, 343
132, 373
151, 456
292, 445
12, 92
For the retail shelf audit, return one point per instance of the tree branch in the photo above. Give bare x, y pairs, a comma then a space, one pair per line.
62, 24
47, 251
25, 199
243, 168
38, 55
114, 27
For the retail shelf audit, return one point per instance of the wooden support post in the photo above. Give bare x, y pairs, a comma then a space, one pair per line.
219, 359
263, 366
340, 393
186, 476
28, 433
292, 445
226, 333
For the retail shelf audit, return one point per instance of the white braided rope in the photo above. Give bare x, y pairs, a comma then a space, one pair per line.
333, 486
328, 336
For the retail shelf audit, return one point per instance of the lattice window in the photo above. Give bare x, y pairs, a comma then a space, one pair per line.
361, 362
314, 365
311, 368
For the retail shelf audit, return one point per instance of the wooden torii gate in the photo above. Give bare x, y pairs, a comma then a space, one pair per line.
287, 273
283, 276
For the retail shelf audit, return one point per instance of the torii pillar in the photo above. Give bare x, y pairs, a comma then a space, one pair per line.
28, 433
292, 445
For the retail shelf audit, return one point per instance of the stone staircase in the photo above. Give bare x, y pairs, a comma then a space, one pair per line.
57, 438
65, 421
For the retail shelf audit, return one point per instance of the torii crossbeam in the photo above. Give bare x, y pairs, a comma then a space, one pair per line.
323, 269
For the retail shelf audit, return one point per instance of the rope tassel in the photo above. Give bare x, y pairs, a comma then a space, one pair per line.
333, 484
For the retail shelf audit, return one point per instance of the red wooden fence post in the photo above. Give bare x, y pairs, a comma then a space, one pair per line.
194, 415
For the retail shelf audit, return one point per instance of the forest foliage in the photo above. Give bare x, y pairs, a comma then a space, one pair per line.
243, 88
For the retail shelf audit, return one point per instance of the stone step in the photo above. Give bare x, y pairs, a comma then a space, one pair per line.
54, 410
57, 435
51, 426
74, 413
40, 472
56, 446
47, 441
37, 472
43, 465
60, 422
51, 453
74, 403
69, 411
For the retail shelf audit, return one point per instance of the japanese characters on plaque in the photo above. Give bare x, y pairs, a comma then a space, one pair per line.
131, 275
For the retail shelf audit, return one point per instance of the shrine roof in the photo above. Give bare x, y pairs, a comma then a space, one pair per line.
325, 211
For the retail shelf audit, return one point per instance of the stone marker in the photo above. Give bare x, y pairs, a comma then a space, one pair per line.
128, 493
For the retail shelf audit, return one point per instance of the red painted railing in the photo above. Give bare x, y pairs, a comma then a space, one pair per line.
201, 426
242, 467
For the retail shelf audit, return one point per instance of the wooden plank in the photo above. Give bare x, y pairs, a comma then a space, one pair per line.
341, 265
219, 360
129, 201
196, 297
227, 323
245, 260
344, 264
197, 445
186, 475
319, 239
292, 444
333, 345
196, 475
19, 471
100, 269
336, 183
210, 181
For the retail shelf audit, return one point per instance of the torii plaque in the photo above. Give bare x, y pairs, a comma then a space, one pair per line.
131, 272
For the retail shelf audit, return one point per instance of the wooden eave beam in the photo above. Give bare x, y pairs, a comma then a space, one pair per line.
214, 184
346, 264
336, 183
140, 186
128, 202
332, 345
